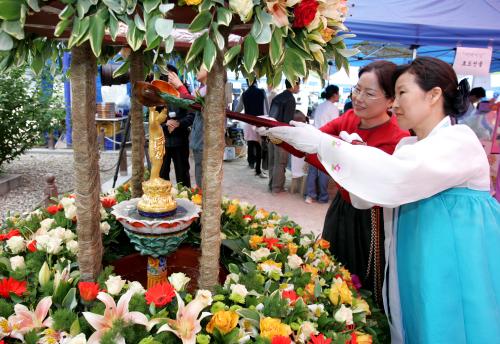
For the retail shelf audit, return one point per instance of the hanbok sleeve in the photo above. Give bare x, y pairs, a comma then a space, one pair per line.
450, 157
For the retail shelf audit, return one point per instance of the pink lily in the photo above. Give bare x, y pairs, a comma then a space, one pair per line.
187, 324
25, 320
103, 323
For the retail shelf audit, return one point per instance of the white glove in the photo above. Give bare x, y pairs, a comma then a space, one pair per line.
344, 135
302, 136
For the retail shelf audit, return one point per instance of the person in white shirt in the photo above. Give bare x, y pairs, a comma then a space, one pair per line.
317, 181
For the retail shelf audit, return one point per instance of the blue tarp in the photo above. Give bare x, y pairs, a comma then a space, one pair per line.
433, 23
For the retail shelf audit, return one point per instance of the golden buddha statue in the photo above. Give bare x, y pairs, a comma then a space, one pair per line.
157, 200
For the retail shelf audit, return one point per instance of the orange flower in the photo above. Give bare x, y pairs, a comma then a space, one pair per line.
12, 233
88, 290
281, 340
322, 243
363, 338
31, 246
327, 34
160, 294
231, 210
290, 295
10, 285
108, 202
196, 199
311, 269
319, 339
53, 209
272, 242
292, 248
309, 291
255, 240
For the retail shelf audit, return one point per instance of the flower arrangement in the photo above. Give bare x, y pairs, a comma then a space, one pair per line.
283, 287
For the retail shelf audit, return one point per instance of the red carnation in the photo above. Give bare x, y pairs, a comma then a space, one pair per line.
32, 246
53, 209
108, 202
289, 230
291, 295
281, 340
160, 294
248, 217
319, 339
305, 13
88, 290
272, 242
12, 233
10, 285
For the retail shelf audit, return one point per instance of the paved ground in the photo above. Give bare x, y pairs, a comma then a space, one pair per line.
239, 182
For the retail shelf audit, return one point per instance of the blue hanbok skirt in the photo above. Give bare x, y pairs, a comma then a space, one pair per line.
448, 256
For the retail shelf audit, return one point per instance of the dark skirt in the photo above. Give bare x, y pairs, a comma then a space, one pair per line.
357, 240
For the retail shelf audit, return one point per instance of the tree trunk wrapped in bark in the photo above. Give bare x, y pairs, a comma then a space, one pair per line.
137, 126
214, 121
86, 155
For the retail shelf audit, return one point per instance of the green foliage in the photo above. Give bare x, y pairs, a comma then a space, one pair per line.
6, 308
31, 337
63, 318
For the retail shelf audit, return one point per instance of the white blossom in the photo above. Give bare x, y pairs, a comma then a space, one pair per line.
17, 262
114, 284
260, 254
294, 261
16, 244
72, 246
178, 280
105, 227
344, 314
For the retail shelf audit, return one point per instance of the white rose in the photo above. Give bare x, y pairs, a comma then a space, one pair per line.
259, 307
58, 232
183, 194
104, 213
294, 261
239, 289
204, 296
286, 237
105, 227
72, 246
69, 235
305, 241
178, 280
316, 310
66, 202
268, 232
260, 254
17, 262
136, 288
231, 278
79, 339
344, 314
54, 245
114, 284
41, 241
70, 212
306, 329
16, 244
46, 224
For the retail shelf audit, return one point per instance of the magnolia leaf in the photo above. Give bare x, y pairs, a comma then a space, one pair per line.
224, 16
196, 47
250, 53
10, 9
75, 329
164, 8
113, 26
67, 12
294, 65
265, 35
33, 4
69, 301
13, 28
121, 70
276, 47
117, 6
200, 22
265, 18
231, 54
6, 42
154, 43
256, 27
60, 27
151, 34
209, 54
348, 52
206, 5
139, 23
219, 39
150, 5
137, 37
251, 315
131, 6
164, 27
82, 7
233, 268
169, 44
96, 33
37, 63
83, 30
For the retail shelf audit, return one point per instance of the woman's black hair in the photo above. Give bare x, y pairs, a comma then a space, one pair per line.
431, 72
329, 91
384, 71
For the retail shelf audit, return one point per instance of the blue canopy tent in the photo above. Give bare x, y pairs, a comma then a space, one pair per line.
433, 27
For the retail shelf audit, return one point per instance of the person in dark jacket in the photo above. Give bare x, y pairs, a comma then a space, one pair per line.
283, 110
176, 130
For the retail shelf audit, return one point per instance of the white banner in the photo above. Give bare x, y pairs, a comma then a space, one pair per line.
472, 61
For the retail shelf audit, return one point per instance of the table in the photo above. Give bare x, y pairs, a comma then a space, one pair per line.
114, 121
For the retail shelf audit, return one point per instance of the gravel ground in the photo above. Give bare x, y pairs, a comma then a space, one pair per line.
34, 165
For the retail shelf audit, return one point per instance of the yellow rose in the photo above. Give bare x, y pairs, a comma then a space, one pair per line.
340, 293
271, 327
224, 321
322, 243
292, 248
231, 210
363, 338
346, 275
255, 240
309, 291
193, 2
196, 199
360, 304
308, 268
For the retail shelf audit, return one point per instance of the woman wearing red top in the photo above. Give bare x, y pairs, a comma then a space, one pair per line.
357, 236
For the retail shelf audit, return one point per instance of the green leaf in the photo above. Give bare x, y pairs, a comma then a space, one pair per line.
10, 9
131, 6
61, 26
209, 54
122, 69
83, 30
67, 12
6, 42
196, 47
164, 27
201, 21
206, 5
37, 63
69, 301
13, 28
113, 26
250, 53
33, 4
169, 44
265, 35
276, 47
96, 33
139, 23
219, 39
75, 329
82, 7
251, 315
348, 52
224, 16
164, 8
117, 6
150, 5
231, 54
294, 65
